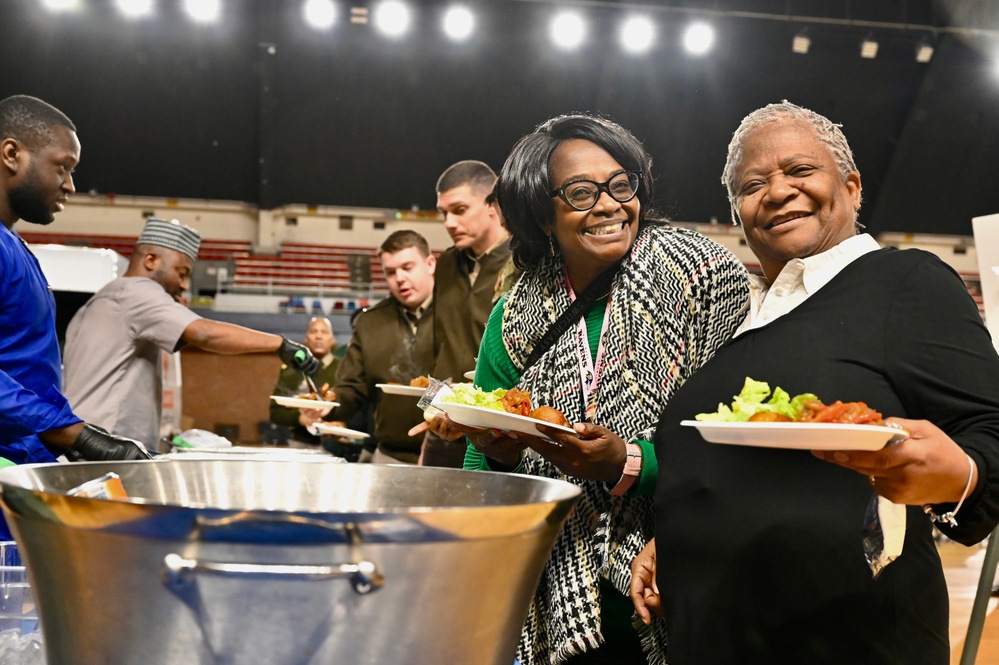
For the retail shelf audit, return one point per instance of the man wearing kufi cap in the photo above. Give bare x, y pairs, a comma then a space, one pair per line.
113, 368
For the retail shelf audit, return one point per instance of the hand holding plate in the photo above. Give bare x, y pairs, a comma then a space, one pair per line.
592, 453
498, 446
927, 468
443, 427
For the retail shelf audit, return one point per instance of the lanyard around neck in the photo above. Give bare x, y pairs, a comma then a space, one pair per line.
589, 369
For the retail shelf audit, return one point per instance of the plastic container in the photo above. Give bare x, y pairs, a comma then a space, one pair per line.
20, 633
17, 605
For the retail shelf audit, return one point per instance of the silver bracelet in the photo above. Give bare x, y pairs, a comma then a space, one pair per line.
948, 517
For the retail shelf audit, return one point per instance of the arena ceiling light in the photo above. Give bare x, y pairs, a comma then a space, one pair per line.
568, 30
869, 48
801, 42
638, 33
61, 5
698, 38
924, 50
135, 8
320, 14
203, 11
392, 18
459, 23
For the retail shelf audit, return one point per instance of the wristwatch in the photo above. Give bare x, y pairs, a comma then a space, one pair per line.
632, 467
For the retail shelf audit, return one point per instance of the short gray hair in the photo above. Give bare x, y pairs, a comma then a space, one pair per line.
827, 131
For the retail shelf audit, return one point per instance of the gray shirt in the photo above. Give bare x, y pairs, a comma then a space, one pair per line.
113, 375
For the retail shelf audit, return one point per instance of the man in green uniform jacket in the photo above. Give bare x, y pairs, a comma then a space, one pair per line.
471, 276
392, 343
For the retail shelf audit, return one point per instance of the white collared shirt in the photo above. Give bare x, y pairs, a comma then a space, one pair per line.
799, 279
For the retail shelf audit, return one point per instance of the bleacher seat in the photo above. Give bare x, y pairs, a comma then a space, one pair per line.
210, 250
308, 267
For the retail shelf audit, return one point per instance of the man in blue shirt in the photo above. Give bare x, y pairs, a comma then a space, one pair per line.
38, 151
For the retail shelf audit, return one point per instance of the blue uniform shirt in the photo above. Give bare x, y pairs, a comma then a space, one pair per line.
30, 367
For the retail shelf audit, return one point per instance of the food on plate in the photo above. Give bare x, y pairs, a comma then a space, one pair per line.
856, 413
551, 415
327, 394
513, 401
769, 417
752, 405
420, 382
516, 401
466, 393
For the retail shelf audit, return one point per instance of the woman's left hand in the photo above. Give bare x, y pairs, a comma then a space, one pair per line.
644, 591
927, 468
593, 453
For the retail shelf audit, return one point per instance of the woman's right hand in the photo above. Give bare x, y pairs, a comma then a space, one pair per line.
497, 446
644, 590
491, 443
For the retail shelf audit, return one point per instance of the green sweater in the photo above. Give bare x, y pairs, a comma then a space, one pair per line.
495, 370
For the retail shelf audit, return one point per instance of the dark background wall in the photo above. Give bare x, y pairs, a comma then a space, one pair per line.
349, 117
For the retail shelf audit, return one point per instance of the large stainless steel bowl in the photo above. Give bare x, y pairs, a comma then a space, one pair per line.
254, 561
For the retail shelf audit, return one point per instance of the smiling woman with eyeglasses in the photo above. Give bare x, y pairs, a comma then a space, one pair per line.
583, 194
613, 312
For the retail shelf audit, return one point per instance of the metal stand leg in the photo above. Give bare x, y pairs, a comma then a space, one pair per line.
977, 621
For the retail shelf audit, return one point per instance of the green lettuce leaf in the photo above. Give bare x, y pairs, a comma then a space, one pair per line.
753, 399
467, 393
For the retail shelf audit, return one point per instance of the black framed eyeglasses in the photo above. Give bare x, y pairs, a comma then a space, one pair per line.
583, 194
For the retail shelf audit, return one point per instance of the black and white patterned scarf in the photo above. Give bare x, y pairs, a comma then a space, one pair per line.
674, 301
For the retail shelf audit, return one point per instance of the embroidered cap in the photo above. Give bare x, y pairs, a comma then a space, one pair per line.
172, 235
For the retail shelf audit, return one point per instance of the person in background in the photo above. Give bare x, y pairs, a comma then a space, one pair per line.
354, 450
759, 552
471, 276
39, 150
614, 311
392, 343
114, 369
320, 340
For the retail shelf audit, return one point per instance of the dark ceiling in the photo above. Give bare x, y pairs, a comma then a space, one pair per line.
349, 117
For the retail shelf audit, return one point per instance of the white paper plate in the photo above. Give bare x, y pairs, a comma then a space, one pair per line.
399, 389
478, 416
302, 403
326, 428
799, 436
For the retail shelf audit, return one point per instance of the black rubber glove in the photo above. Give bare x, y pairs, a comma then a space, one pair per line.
95, 444
297, 356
